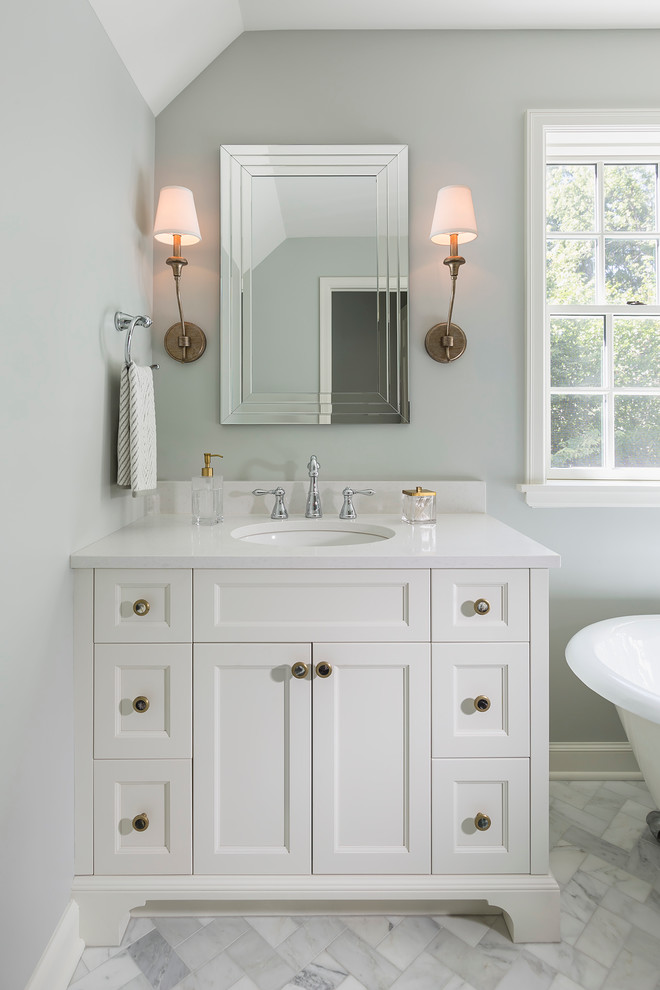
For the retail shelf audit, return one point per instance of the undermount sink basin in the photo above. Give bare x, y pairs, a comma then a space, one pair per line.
312, 533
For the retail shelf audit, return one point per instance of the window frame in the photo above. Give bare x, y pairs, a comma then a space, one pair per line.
545, 486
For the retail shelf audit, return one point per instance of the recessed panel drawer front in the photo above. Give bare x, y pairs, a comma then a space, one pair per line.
303, 605
480, 699
480, 814
143, 701
142, 817
142, 606
480, 605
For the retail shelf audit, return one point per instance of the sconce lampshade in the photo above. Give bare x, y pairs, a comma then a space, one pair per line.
454, 214
176, 215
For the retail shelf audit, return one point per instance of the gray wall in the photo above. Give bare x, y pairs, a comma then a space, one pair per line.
76, 220
457, 99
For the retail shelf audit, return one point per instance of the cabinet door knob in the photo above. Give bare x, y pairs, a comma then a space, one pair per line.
141, 606
141, 822
481, 606
482, 703
140, 704
299, 669
482, 822
323, 669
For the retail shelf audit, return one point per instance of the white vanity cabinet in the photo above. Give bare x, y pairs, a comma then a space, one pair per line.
365, 739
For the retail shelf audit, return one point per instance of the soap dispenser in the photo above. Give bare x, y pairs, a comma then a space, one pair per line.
207, 495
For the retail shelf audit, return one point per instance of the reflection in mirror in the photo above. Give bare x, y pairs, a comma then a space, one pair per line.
314, 285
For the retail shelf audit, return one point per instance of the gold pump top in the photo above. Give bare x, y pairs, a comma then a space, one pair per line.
416, 491
207, 470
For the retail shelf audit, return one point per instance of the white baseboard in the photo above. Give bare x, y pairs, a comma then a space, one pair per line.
62, 954
593, 761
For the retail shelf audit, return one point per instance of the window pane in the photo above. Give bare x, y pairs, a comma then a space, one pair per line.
629, 197
637, 430
636, 352
570, 198
629, 270
576, 350
576, 439
570, 271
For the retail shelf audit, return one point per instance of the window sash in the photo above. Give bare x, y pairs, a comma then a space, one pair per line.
608, 390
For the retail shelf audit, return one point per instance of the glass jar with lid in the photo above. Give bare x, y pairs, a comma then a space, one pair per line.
418, 505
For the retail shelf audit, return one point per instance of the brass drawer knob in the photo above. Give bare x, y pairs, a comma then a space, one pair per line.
482, 703
141, 606
141, 822
140, 704
482, 822
481, 606
323, 669
299, 670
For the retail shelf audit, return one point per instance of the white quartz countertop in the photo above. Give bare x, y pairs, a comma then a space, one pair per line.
470, 539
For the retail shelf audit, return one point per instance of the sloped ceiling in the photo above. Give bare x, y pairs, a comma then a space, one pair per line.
165, 44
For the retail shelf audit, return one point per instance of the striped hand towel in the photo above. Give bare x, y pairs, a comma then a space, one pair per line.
136, 439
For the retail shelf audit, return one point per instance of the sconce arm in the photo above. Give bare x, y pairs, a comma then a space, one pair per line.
441, 338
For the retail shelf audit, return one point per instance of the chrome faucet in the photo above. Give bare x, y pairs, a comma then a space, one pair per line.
313, 508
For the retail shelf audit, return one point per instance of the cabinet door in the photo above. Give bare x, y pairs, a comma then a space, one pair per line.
252, 759
372, 751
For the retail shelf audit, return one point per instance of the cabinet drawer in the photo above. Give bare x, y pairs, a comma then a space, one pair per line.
142, 606
301, 605
143, 701
480, 699
157, 792
480, 605
464, 791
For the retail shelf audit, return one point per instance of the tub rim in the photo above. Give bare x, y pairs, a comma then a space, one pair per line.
605, 681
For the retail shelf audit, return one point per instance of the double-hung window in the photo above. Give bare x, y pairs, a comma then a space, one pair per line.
593, 250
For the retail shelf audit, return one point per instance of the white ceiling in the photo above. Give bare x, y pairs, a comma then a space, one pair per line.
165, 44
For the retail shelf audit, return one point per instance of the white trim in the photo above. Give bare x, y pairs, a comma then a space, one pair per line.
592, 494
537, 491
593, 761
61, 956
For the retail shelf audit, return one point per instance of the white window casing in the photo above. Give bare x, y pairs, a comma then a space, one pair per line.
586, 135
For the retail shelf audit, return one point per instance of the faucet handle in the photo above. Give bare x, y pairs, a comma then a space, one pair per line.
348, 509
279, 509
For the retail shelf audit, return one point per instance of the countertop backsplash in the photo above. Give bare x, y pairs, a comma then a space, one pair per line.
452, 496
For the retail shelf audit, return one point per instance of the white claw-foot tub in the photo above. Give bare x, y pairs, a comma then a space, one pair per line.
620, 660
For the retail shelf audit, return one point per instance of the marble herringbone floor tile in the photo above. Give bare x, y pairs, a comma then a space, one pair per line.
604, 858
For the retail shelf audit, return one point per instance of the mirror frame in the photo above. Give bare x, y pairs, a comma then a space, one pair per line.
239, 165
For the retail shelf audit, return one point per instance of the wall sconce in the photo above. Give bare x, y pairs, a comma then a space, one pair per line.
454, 223
176, 219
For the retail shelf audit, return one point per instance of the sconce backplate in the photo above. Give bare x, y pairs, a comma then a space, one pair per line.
436, 349
197, 342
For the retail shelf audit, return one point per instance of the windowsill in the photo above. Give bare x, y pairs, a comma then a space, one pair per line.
592, 494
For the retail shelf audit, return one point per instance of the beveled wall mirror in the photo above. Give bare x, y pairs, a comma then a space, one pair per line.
314, 284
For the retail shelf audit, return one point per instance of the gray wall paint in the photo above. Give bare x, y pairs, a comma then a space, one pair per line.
468, 419
76, 245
